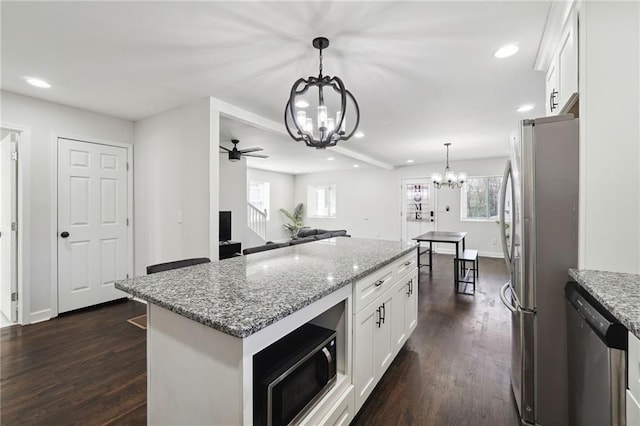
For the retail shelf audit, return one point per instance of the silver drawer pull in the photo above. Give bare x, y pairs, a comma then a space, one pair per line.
407, 263
379, 283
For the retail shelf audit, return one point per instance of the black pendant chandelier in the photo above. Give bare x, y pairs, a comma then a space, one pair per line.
326, 131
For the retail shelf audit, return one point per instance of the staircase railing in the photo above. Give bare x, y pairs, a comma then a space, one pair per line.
257, 220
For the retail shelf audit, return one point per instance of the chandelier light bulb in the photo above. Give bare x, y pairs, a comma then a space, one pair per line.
452, 180
331, 125
436, 178
302, 117
322, 118
308, 126
462, 178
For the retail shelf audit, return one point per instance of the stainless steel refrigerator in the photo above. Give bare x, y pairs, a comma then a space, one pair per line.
539, 224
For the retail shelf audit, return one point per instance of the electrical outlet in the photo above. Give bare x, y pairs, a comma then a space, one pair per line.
494, 242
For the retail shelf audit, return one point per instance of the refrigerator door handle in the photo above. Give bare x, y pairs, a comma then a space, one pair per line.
504, 299
503, 231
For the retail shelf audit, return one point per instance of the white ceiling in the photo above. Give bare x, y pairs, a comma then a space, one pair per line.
422, 72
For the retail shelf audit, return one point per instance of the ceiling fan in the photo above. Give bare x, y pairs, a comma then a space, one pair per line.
235, 153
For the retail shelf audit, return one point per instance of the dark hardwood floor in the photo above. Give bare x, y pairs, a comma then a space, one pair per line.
83, 368
454, 369
89, 367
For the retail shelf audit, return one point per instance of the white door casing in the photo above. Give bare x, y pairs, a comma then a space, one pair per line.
92, 209
8, 225
417, 207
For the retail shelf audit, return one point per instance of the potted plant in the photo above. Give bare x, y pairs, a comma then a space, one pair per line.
296, 219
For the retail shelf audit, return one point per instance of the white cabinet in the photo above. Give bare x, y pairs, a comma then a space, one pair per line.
382, 324
633, 381
562, 75
373, 345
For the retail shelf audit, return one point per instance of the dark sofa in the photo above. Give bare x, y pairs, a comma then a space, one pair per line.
305, 235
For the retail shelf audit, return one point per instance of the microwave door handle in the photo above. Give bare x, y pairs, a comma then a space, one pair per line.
503, 196
327, 370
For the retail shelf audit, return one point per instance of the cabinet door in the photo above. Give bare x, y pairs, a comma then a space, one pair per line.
633, 410
551, 89
567, 62
401, 294
364, 363
411, 302
383, 343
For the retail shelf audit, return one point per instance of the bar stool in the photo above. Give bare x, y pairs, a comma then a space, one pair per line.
470, 276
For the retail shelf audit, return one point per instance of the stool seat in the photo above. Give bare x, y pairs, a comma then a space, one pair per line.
471, 273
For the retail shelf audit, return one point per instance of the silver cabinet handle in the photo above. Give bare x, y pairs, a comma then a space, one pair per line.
379, 283
503, 297
407, 263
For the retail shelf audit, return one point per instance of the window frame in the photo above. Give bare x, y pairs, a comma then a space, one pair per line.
311, 211
464, 199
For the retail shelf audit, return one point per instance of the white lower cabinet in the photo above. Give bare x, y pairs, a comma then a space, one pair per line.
372, 345
342, 412
633, 410
379, 331
633, 381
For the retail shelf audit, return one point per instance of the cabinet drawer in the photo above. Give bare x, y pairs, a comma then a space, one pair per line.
633, 368
342, 412
406, 264
369, 288
633, 410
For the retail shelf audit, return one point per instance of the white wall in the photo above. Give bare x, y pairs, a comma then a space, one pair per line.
233, 195
281, 195
368, 202
44, 119
172, 185
610, 136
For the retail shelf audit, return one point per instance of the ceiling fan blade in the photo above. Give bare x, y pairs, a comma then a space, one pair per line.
256, 155
251, 150
226, 149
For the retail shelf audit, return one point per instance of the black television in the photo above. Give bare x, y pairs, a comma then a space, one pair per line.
225, 226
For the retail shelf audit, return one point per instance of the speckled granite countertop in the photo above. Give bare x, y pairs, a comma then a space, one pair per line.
245, 294
618, 292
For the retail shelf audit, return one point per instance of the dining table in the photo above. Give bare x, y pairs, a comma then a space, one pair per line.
441, 237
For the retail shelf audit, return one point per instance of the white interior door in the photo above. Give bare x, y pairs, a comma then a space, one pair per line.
417, 210
8, 225
92, 223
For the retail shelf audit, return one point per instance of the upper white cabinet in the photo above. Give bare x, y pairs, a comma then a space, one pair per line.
558, 57
562, 74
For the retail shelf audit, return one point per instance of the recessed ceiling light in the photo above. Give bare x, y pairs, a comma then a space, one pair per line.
302, 104
356, 165
38, 82
525, 108
506, 51
330, 158
409, 161
358, 135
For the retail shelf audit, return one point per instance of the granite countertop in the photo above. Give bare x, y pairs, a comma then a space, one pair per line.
618, 292
245, 294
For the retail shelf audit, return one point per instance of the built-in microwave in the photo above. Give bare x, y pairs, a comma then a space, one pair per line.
292, 375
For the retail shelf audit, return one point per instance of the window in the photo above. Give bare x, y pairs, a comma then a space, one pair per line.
480, 198
321, 201
259, 195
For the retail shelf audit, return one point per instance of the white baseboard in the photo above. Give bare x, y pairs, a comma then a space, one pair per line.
39, 316
452, 251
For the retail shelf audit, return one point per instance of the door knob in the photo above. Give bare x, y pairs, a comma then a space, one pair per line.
64, 234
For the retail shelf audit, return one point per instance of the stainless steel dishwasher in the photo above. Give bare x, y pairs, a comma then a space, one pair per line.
596, 345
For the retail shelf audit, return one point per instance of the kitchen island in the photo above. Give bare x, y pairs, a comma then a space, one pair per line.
206, 323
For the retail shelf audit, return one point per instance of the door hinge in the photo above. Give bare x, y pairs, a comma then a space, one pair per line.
14, 155
14, 226
127, 221
127, 166
14, 297
127, 276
